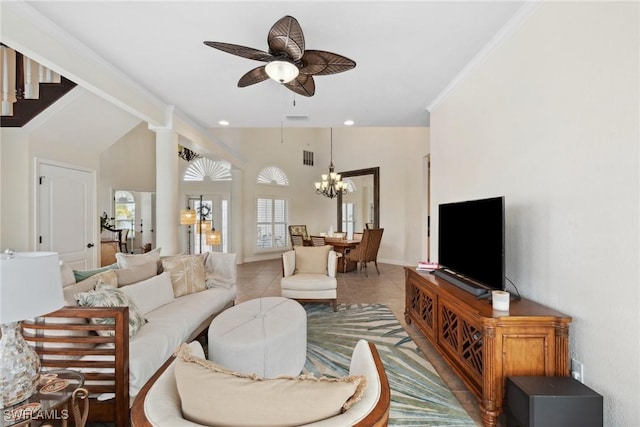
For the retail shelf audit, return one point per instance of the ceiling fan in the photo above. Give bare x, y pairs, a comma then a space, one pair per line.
287, 60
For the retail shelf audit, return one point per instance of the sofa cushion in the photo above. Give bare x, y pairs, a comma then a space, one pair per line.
151, 293
187, 274
312, 259
66, 274
69, 292
136, 273
213, 396
220, 269
129, 260
167, 327
81, 275
108, 296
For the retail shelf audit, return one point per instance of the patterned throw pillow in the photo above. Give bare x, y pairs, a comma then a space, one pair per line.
108, 296
187, 274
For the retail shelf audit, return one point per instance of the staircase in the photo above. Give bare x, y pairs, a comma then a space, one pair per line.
28, 88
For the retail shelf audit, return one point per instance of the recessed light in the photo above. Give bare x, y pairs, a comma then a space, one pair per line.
348, 122
223, 123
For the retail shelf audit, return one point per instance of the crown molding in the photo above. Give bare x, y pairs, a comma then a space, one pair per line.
507, 30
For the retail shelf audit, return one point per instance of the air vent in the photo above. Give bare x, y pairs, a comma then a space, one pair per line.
297, 117
307, 158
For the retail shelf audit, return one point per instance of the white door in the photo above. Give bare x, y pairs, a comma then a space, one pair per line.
66, 220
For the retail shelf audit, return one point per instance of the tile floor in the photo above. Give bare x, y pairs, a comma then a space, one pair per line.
262, 278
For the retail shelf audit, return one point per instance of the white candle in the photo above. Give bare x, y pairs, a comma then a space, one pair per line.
500, 300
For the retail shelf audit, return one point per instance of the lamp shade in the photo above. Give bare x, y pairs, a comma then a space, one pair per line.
214, 238
30, 285
187, 217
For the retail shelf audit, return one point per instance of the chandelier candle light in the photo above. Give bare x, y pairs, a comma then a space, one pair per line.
30, 286
331, 184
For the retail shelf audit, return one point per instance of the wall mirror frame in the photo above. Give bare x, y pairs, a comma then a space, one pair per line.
375, 172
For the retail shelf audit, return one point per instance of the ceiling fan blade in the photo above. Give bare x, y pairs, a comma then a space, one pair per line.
254, 76
243, 51
286, 37
320, 62
302, 85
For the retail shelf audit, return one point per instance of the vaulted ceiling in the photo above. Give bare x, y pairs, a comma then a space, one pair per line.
407, 53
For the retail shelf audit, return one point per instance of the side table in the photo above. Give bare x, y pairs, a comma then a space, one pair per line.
57, 398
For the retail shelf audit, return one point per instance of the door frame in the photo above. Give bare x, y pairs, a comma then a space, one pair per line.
92, 211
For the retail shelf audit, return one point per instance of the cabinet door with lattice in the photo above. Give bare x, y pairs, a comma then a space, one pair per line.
460, 334
421, 308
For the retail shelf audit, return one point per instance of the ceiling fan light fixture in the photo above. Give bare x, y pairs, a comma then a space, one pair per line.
281, 71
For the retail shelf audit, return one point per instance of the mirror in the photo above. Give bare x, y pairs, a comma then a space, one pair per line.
361, 205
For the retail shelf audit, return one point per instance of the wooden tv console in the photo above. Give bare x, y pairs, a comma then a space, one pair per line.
484, 347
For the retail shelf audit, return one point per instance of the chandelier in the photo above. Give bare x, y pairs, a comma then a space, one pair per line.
331, 184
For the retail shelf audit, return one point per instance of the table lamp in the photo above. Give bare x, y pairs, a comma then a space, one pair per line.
30, 286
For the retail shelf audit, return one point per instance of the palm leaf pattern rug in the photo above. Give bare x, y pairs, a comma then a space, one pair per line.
418, 395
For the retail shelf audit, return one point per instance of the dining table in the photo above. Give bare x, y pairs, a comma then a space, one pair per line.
342, 247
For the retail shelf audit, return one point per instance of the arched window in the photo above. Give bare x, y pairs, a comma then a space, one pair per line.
217, 170
273, 175
125, 211
349, 185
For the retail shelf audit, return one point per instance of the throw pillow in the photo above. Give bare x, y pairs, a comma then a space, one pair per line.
151, 293
129, 260
312, 259
107, 296
213, 396
81, 275
137, 273
187, 274
89, 284
220, 270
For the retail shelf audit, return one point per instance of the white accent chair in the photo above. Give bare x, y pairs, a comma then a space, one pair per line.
309, 274
158, 404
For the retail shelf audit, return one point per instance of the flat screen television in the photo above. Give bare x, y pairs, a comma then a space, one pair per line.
471, 244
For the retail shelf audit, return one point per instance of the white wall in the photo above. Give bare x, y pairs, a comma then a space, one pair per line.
550, 120
397, 151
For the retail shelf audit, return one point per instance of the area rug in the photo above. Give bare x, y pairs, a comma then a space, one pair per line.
419, 397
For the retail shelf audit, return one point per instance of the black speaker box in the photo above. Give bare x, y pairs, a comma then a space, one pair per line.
551, 402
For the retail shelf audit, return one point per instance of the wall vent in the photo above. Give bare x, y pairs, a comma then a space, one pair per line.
307, 158
297, 117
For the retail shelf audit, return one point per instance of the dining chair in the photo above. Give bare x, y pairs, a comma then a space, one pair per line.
339, 234
367, 249
299, 229
357, 236
318, 241
297, 240
123, 235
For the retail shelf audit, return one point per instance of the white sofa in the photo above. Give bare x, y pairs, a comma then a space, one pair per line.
158, 404
116, 367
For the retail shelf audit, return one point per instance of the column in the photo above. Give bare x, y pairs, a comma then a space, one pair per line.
167, 184
237, 236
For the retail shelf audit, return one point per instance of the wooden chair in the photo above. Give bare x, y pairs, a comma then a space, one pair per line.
367, 249
297, 240
123, 235
318, 241
339, 234
357, 236
299, 229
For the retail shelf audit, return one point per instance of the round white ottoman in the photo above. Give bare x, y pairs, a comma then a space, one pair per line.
266, 336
